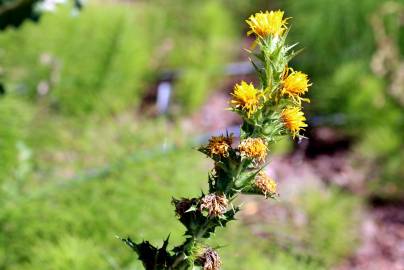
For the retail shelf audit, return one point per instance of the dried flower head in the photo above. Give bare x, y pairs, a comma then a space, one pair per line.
295, 85
254, 148
293, 119
268, 23
215, 204
246, 98
220, 145
210, 259
265, 184
182, 205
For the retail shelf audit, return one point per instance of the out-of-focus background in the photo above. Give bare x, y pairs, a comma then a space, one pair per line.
101, 109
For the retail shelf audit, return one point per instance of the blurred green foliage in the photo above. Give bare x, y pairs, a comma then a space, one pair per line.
334, 31
215, 30
196, 40
342, 44
68, 253
78, 59
95, 210
14, 119
333, 220
103, 59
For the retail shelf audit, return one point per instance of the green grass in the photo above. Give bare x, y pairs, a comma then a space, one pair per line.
14, 117
83, 183
132, 201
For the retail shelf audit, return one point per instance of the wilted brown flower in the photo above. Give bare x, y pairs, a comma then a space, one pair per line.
254, 148
210, 259
215, 204
265, 184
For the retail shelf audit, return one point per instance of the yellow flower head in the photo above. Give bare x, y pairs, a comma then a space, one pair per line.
268, 23
265, 184
254, 148
219, 145
246, 98
293, 119
295, 85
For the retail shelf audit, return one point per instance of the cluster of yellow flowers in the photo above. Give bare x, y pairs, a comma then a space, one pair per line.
286, 88
275, 108
270, 111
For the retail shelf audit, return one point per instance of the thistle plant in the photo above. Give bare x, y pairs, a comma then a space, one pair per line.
269, 112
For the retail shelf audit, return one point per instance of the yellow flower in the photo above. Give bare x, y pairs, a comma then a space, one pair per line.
219, 145
295, 85
268, 23
254, 148
246, 98
293, 119
265, 184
